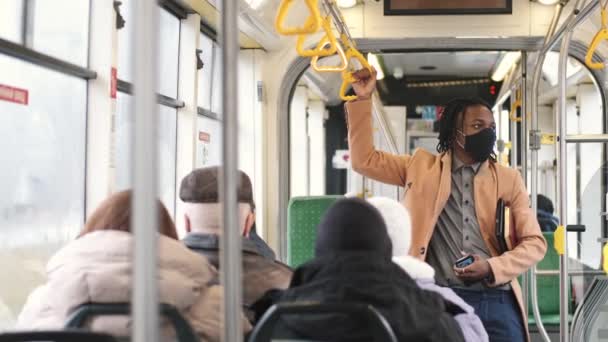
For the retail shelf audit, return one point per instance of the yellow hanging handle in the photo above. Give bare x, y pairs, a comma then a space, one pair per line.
559, 240
347, 76
320, 49
516, 104
339, 68
605, 254
311, 25
600, 36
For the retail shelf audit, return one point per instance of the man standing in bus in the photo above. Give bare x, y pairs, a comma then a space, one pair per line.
452, 198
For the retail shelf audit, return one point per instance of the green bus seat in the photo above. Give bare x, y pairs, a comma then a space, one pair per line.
548, 288
303, 216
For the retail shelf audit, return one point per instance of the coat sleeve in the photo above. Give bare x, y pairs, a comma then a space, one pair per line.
365, 159
531, 245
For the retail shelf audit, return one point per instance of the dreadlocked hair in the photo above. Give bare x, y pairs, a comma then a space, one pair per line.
448, 121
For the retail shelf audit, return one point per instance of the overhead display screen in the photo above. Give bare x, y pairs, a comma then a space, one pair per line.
439, 7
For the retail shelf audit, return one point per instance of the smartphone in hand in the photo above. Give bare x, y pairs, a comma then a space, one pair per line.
464, 261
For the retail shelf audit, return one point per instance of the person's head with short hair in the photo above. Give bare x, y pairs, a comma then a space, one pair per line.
544, 203
467, 129
398, 223
199, 191
115, 213
352, 225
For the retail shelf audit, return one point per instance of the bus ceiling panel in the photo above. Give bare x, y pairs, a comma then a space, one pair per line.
210, 19
450, 44
461, 64
22, 53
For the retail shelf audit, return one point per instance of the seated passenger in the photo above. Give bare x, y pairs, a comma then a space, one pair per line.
352, 264
544, 213
399, 228
203, 219
97, 267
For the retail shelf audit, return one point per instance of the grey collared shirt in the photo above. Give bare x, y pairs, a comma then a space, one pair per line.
457, 228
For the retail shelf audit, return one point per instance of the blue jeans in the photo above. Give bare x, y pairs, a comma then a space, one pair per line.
498, 311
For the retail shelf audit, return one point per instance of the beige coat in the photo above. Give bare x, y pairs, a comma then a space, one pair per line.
427, 178
97, 268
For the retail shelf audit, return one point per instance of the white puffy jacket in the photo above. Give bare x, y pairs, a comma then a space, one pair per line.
97, 268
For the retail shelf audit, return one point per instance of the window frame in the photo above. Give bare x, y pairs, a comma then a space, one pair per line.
210, 33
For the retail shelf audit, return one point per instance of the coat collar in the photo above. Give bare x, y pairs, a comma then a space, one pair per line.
212, 242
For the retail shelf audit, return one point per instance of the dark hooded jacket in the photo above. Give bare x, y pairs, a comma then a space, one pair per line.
353, 264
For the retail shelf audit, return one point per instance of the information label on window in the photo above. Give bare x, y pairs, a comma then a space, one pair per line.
15, 95
204, 136
113, 82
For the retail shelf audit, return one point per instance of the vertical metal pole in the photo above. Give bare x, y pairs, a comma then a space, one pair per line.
524, 116
514, 144
145, 292
524, 156
231, 240
562, 158
534, 147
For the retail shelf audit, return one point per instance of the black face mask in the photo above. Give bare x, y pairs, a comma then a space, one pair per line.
480, 145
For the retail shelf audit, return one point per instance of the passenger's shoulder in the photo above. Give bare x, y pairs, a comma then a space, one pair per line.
421, 153
504, 172
282, 267
176, 257
423, 157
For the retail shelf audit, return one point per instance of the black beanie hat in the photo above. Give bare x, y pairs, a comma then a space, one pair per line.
352, 225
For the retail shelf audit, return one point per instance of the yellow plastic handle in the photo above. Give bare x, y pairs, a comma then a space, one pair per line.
347, 77
559, 240
516, 104
339, 68
320, 49
513, 113
311, 25
599, 37
605, 254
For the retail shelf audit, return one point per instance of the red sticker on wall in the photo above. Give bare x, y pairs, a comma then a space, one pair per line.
15, 95
113, 83
203, 136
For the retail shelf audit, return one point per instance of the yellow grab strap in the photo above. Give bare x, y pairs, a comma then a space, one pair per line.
311, 25
600, 36
347, 76
559, 240
516, 104
320, 49
341, 67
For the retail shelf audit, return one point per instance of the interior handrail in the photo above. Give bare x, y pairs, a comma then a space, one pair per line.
550, 40
562, 162
311, 25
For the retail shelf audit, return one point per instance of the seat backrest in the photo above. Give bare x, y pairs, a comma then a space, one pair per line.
303, 216
79, 317
548, 285
56, 336
264, 329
